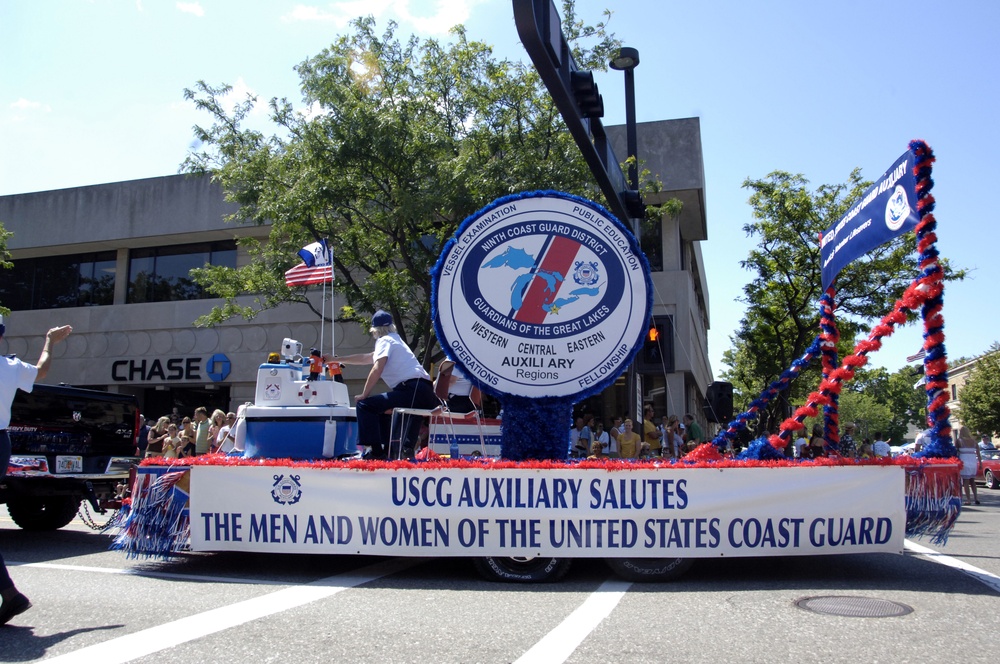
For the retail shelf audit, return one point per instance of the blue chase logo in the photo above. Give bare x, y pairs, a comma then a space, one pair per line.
543, 295
218, 367
286, 490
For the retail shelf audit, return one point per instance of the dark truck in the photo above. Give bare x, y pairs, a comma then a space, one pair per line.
68, 444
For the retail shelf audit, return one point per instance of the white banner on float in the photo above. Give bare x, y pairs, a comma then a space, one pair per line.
573, 512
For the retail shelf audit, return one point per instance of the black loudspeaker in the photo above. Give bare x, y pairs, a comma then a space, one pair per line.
719, 402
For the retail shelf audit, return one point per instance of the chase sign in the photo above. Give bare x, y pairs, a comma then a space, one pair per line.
217, 368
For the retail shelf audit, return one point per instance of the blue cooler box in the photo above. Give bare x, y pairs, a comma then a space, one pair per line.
300, 432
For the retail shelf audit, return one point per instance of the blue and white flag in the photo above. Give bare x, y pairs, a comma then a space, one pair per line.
316, 254
316, 267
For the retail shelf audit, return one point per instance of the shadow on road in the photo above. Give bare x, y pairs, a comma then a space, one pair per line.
48, 546
21, 645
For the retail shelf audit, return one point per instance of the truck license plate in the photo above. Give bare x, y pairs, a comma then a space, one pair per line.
69, 464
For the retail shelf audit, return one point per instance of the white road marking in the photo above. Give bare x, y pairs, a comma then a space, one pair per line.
148, 641
559, 644
981, 575
152, 574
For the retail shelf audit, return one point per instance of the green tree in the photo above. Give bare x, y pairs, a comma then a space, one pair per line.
980, 397
869, 414
402, 141
907, 401
879, 401
5, 263
782, 315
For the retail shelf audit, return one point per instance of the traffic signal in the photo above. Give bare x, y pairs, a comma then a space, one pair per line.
588, 98
657, 354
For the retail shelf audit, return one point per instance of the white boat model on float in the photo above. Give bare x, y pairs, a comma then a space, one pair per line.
299, 419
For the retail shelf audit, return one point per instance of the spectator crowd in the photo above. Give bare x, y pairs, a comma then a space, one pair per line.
175, 436
670, 438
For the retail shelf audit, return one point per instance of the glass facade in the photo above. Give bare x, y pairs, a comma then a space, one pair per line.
162, 274
651, 243
156, 274
55, 282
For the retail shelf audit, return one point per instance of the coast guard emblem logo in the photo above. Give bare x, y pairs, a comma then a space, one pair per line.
286, 491
272, 391
897, 209
586, 274
541, 295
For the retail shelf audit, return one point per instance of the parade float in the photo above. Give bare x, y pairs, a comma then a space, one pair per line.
541, 299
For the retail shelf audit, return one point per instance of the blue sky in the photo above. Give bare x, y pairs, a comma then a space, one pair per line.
91, 91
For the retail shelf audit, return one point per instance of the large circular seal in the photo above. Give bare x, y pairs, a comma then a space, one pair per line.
542, 294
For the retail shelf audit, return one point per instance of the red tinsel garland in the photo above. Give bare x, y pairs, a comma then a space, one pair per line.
701, 457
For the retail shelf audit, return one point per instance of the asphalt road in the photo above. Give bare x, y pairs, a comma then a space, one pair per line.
95, 605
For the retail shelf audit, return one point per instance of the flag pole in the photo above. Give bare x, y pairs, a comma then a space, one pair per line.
322, 320
333, 308
322, 315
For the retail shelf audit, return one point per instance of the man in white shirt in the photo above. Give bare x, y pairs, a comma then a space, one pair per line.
800, 444
225, 440
881, 447
15, 375
409, 387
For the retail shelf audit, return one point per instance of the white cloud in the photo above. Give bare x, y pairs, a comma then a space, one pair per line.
239, 94
314, 110
259, 117
446, 13
191, 8
25, 106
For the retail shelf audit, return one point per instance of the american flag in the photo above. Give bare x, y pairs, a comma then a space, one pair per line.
916, 356
316, 267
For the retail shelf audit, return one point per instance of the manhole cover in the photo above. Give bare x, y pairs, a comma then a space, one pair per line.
854, 607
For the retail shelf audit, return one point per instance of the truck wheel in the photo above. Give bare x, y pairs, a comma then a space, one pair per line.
650, 569
522, 570
48, 513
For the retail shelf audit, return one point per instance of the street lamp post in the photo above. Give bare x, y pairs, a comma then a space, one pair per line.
627, 60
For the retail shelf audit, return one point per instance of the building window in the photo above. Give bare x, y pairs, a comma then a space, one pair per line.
651, 243
954, 392
163, 274
56, 282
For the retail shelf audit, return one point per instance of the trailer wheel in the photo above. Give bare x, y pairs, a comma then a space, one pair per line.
522, 570
650, 569
49, 513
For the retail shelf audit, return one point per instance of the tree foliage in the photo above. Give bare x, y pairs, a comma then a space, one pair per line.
980, 397
5, 263
879, 401
402, 140
782, 298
